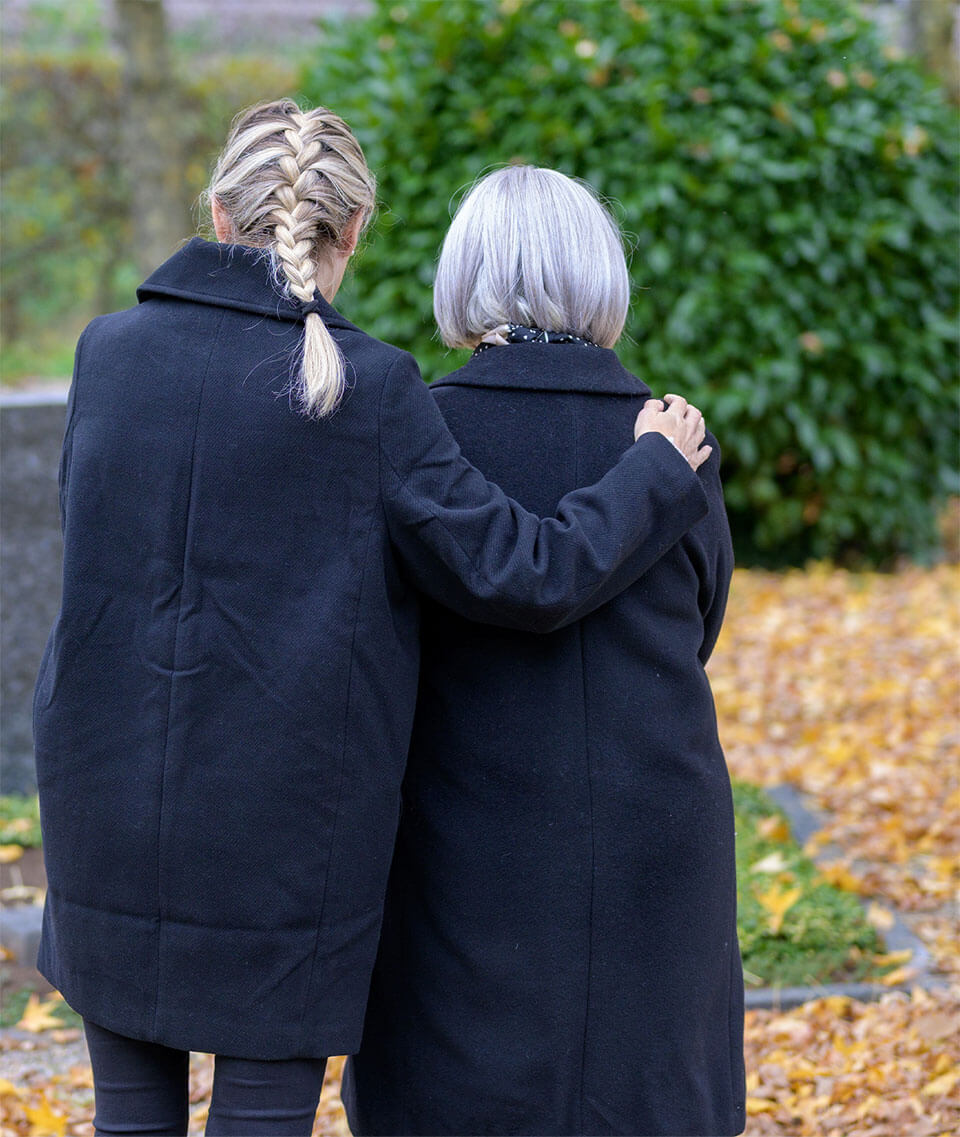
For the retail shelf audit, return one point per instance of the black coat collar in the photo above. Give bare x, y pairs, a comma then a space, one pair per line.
547, 367
228, 276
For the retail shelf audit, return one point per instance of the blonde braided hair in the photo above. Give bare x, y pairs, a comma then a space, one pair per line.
293, 182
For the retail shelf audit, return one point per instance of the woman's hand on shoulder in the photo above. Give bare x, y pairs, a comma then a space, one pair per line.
678, 421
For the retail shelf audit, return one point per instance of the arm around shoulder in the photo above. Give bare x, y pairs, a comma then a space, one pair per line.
470, 547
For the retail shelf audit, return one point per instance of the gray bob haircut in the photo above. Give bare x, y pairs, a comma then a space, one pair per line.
531, 246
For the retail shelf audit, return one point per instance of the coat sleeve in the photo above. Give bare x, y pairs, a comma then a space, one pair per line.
66, 452
718, 556
473, 549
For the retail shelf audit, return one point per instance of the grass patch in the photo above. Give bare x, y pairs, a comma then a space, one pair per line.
794, 926
14, 1003
47, 359
20, 820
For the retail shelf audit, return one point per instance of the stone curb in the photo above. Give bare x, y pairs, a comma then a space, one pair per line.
53, 394
20, 932
805, 820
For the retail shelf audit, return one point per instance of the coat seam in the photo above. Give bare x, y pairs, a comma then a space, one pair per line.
404, 1060
343, 765
593, 850
176, 644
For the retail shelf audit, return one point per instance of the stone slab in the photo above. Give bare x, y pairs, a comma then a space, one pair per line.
20, 932
31, 556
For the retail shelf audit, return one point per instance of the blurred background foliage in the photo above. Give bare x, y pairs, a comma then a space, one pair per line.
69, 249
787, 181
788, 186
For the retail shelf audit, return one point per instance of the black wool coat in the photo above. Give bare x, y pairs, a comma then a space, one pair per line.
559, 952
223, 711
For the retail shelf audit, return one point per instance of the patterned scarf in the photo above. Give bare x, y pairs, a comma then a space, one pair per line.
519, 333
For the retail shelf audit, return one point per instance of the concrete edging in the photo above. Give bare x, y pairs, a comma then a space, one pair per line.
54, 395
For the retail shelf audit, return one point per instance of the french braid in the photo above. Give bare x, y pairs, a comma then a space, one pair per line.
292, 182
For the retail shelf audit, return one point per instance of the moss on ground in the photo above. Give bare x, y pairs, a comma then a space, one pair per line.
823, 934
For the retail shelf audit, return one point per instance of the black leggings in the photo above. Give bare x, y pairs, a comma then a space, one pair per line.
142, 1087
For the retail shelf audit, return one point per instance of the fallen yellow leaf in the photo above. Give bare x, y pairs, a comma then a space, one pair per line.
8, 1088
10, 853
81, 1077
199, 1116
935, 1025
868, 1105
898, 976
44, 1122
772, 862
894, 957
760, 1105
777, 902
942, 1085
841, 877
942, 1064
26, 893
36, 1015
774, 828
879, 916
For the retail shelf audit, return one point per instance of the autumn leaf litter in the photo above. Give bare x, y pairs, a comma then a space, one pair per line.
847, 686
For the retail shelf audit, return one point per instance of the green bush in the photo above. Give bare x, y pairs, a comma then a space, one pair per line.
789, 189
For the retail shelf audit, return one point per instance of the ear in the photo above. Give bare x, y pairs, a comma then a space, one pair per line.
352, 233
222, 225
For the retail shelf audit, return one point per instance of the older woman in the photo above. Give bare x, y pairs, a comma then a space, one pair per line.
559, 953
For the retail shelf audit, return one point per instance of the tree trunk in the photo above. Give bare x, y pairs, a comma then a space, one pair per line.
931, 25
152, 148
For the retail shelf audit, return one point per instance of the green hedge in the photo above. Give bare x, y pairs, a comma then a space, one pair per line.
788, 185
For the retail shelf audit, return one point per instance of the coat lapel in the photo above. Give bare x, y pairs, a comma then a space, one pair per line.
547, 367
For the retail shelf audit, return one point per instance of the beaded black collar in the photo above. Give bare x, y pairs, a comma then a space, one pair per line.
520, 333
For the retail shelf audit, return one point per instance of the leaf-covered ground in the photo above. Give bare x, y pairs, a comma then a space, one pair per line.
847, 686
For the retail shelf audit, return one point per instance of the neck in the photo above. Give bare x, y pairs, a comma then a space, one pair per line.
329, 276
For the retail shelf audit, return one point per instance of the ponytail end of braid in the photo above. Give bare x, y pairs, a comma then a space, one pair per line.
322, 373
